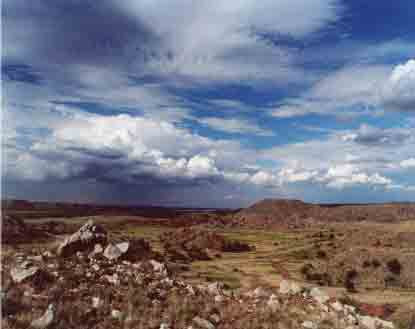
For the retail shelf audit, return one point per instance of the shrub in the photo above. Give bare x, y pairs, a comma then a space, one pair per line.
349, 280
366, 263
310, 274
306, 269
321, 254
394, 266
390, 280
376, 263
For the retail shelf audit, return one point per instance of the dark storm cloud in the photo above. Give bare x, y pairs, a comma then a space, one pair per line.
72, 31
23, 73
373, 136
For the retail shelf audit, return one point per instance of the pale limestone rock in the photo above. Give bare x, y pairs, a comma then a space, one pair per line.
214, 288
46, 319
114, 279
273, 303
375, 323
337, 306
112, 252
158, 267
116, 314
319, 295
97, 302
23, 271
289, 287
309, 325
203, 323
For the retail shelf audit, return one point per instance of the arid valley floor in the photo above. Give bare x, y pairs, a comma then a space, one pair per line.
278, 264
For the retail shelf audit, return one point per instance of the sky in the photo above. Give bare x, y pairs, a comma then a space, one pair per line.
208, 103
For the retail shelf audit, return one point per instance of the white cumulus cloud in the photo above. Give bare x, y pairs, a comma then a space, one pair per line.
398, 92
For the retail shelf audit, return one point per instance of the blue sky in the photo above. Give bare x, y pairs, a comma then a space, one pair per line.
208, 103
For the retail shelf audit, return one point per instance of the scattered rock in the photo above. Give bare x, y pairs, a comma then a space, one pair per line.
203, 323
46, 319
190, 289
23, 271
159, 268
97, 302
289, 287
273, 303
98, 249
259, 292
375, 323
38, 258
214, 288
112, 252
114, 279
319, 295
215, 318
309, 325
123, 246
337, 306
47, 254
116, 314
219, 299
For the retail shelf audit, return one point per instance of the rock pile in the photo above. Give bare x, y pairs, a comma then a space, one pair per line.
99, 287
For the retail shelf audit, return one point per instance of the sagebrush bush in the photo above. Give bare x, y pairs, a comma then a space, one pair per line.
349, 280
394, 266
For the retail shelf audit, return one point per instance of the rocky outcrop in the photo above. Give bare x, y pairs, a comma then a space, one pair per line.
84, 239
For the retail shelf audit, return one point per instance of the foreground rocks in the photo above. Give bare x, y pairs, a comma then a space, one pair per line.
102, 287
46, 319
24, 271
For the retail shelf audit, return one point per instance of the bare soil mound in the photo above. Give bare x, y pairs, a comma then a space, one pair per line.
190, 244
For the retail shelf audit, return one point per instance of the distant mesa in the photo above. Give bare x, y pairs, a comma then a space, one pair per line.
270, 212
296, 213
